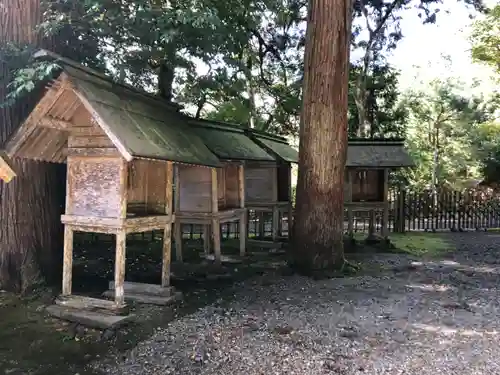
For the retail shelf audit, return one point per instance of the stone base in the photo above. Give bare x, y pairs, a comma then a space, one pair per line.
89, 318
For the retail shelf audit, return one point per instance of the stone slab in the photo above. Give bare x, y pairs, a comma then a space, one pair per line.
89, 318
147, 298
141, 288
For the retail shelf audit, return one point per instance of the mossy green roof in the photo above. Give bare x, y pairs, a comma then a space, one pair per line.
143, 125
229, 142
276, 145
377, 153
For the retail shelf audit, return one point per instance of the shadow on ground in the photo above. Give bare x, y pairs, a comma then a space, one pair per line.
398, 309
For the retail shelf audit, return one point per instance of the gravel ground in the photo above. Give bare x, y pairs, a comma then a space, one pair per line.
434, 318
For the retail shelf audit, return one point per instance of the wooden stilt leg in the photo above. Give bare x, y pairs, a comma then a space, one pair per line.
217, 244
262, 226
275, 223
371, 224
167, 250
120, 267
385, 221
178, 241
350, 222
67, 261
206, 239
243, 233
290, 221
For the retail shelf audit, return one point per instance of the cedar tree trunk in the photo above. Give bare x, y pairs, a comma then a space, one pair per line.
30, 205
318, 229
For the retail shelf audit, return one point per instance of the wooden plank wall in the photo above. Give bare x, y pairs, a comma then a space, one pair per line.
94, 186
147, 182
195, 185
368, 185
231, 184
259, 183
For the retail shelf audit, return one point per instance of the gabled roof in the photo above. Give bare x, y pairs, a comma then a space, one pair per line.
277, 146
377, 153
138, 124
229, 142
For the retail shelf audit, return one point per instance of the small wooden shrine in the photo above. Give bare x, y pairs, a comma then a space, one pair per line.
211, 197
369, 162
6, 171
119, 145
269, 184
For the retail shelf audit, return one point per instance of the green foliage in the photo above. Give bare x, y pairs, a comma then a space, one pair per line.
485, 39
386, 116
25, 74
446, 132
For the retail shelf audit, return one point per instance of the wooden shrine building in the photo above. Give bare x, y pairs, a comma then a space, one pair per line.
368, 164
216, 196
119, 145
269, 183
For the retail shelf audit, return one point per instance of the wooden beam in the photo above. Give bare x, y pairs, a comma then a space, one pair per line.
215, 221
123, 188
54, 123
385, 219
67, 261
93, 152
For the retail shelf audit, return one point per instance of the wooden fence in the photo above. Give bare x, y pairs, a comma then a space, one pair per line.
445, 210
409, 211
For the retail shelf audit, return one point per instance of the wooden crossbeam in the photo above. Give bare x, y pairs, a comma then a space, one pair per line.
53, 123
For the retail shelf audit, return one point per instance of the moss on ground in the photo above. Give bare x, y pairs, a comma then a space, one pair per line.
420, 244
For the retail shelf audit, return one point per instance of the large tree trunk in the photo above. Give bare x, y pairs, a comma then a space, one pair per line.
318, 228
30, 206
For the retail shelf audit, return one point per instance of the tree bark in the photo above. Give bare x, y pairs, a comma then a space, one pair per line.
318, 228
30, 205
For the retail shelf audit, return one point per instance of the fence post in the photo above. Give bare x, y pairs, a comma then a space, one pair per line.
399, 225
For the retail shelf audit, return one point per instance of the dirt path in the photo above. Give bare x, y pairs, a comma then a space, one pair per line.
439, 317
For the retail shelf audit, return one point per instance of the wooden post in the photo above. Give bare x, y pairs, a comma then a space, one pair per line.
167, 232
275, 223
243, 218
67, 261
348, 200
178, 240
262, 226
215, 219
385, 220
120, 267
123, 189
177, 223
402, 212
206, 239
68, 237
